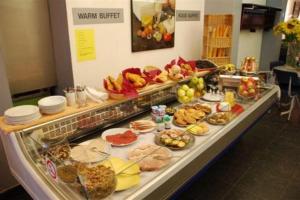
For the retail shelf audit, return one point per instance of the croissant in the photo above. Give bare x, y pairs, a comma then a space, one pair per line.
137, 80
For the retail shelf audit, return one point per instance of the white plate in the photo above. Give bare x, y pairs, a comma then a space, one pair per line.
114, 131
212, 97
145, 130
21, 111
27, 121
21, 119
87, 152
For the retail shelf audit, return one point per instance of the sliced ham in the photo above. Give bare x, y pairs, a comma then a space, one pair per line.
156, 157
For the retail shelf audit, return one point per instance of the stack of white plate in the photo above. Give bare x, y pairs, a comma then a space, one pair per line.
52, 104
22, 114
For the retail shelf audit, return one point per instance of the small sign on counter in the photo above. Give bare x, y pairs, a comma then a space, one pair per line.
51, 168
187, 15
97, 15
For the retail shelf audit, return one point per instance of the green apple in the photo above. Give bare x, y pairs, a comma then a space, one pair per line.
201, 80
181, 92
200, 86
185, 87
191, 85
190, 92
184, 99
194, 80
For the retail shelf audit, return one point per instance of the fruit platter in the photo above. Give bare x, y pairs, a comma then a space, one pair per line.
248, 88
180, 69
229, 69
175, 139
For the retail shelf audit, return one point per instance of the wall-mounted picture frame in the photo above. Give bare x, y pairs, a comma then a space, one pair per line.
152, 24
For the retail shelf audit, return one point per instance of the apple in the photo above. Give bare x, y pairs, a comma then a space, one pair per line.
245, 93
201, 80
185, 87
181, 93
251, 91
190, 93
251, 79
244, 79
200, 86
192, 85
194, 80
250, 85
241, 88
184, 99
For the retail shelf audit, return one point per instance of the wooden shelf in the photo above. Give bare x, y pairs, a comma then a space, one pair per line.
70, 111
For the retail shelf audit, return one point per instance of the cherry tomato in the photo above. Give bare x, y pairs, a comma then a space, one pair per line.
167, 37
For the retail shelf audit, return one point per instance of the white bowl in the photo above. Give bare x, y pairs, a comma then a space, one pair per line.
51, 101
52, 104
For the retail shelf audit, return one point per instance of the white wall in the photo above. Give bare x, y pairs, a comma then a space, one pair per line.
250, 42
113, 42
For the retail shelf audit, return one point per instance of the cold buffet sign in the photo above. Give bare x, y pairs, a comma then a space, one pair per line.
97, 15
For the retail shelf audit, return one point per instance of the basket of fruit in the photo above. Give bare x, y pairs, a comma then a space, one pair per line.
119, 88
199, 86
185, 94
180, 69
228, 69
247, 89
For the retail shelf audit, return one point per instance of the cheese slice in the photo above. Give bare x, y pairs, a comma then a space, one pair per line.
129, 177
125, 181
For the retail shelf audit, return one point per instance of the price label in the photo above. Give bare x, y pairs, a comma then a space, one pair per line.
51, 168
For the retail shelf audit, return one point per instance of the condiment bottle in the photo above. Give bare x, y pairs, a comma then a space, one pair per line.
167, 121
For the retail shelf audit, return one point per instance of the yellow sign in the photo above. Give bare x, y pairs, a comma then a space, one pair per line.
85, 44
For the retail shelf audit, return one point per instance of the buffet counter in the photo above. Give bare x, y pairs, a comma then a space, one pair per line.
26, 165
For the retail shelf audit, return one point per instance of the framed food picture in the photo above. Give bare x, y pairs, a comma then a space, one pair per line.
152, 24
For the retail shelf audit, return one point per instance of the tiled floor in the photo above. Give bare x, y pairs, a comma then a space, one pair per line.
263, 165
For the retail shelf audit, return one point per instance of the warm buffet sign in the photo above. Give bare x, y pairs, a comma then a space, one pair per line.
97, 15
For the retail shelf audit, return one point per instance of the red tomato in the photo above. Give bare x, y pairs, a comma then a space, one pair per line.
167, 37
